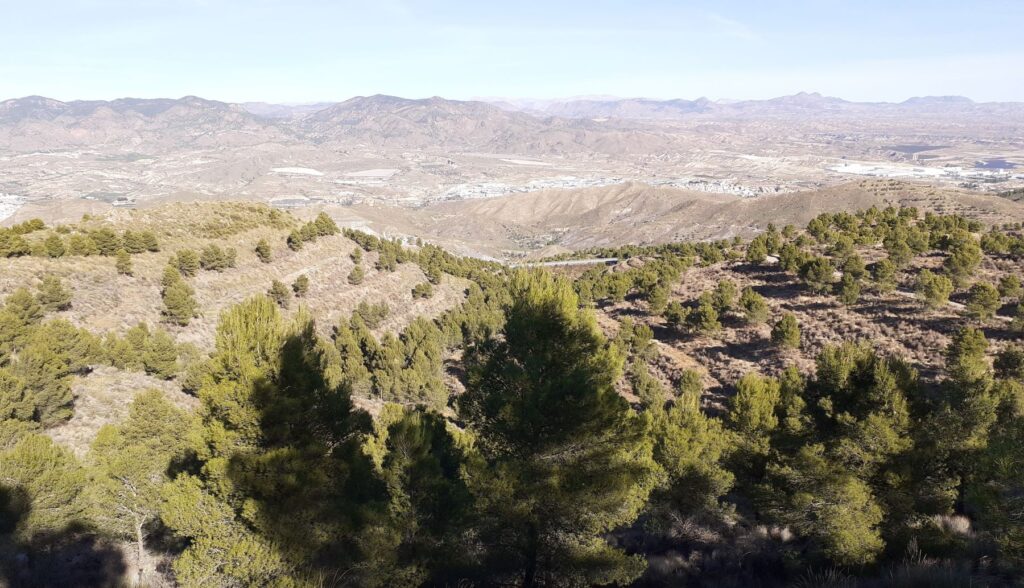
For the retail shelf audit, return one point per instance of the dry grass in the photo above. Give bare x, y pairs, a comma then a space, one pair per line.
102, 397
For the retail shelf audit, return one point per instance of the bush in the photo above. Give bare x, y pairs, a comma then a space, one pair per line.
301, 285
786, 332
123, 263
279, 293
53, 296
422, 290
1010, 286
263, 251
372, 315
213, 258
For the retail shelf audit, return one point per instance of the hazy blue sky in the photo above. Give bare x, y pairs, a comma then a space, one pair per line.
314, 50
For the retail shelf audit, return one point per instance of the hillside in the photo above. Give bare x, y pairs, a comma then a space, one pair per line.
699, 378
644, 214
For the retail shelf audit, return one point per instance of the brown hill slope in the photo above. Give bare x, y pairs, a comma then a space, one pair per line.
639, 213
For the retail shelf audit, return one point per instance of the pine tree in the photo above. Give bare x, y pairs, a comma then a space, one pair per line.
964, 257
295, 240
129, 464
1010, 286
213, 258
752, 408
646, 387
53, 296
15, 398
355, 277
107, 242
150, 241
417, 457
77, 348
676, 315
180, 305
657, 300
282, 484
160, 355
325, 225
755, 307
44, 373
50, 483
757, 251
982, 301
884, 276
133, 242
371, 314
55, 246
818, 274
353, 364
724, 296
83, 245
848, 290
691, 448
187, 262
263, 251
704, 318
933, 289
170, 276
123, 264
24, 307
786, 332
564, 458
815, 497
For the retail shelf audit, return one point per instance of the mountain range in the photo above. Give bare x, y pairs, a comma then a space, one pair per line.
603, 126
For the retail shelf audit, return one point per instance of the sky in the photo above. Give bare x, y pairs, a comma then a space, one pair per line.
299, 51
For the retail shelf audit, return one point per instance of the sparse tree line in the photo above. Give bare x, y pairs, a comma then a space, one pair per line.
65, 240
39, 354
826, 260
322, 226
541, 472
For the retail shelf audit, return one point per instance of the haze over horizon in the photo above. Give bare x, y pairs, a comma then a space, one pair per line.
317, 51
519, 101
